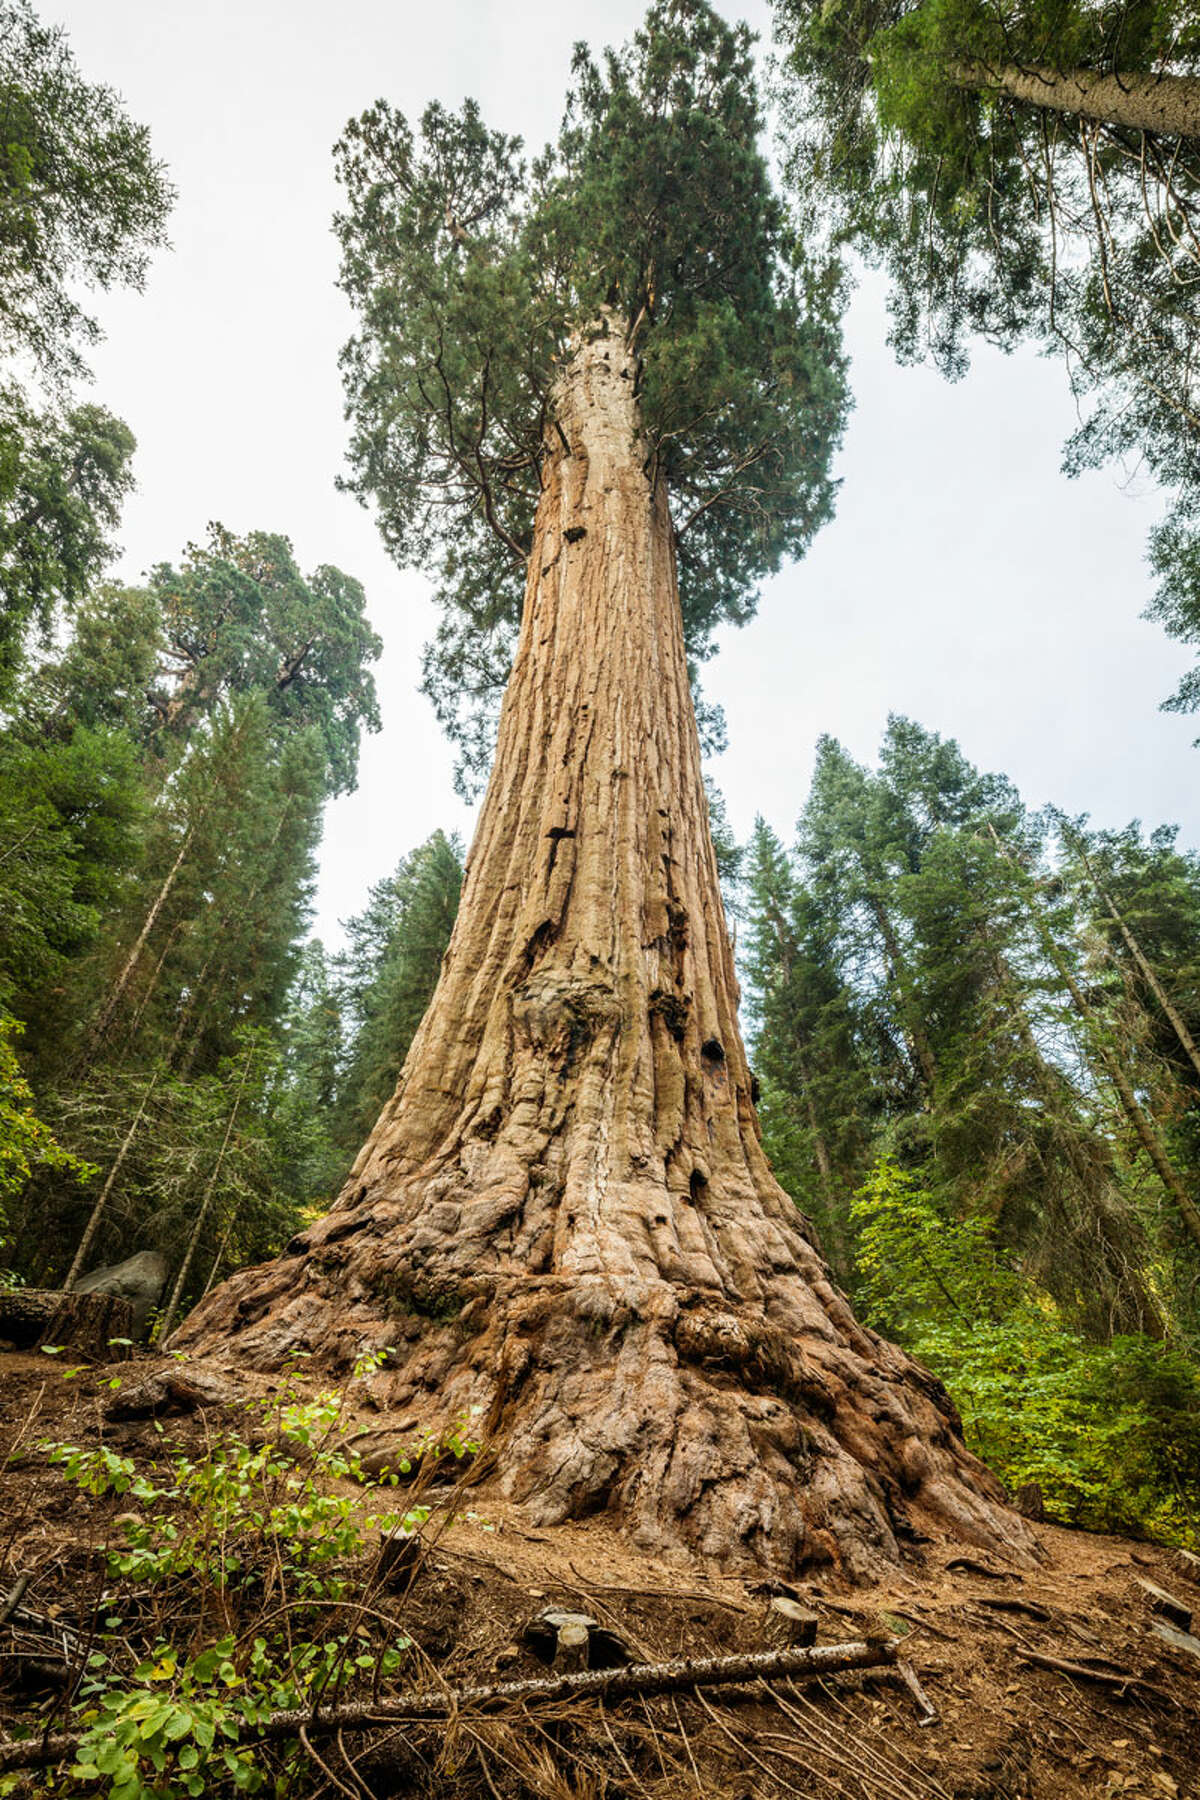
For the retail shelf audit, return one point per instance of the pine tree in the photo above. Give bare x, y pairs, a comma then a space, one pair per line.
820, 1100
390, 970
188, 735
563, 1219
953, 1043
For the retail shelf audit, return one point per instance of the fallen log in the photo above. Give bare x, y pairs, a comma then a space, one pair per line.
810, 1662
84, 1324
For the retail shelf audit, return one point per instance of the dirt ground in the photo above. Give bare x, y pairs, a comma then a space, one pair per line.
986, 1641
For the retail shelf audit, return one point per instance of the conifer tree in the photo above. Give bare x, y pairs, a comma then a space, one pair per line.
82, 205
821, 1097
574, 377
934, 955
165, 783
388, 975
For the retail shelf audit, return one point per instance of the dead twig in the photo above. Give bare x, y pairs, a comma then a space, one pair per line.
14, 1597
1102, 1677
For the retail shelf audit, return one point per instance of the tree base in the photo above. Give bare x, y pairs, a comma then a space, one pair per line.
697, 1429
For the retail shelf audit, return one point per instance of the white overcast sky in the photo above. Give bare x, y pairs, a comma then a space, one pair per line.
964, 581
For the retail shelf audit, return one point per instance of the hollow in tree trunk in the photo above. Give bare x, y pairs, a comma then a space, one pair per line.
564, 1221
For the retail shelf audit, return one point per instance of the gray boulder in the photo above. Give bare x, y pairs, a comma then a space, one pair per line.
139, 1279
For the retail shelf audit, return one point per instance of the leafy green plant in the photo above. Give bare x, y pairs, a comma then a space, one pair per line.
1110, 1432
26, 1142
244, 1505
265, 1535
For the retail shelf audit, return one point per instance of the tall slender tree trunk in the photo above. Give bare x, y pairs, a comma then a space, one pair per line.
1140, 1120
222, 1247
185, 1267
113, 998
1137, 1115
836, 1240
911, 1024
1167, 105
564, 1221
101, 1207
151, 987
1116, 1277
1174, 1018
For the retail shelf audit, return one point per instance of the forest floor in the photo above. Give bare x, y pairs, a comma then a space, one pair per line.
1122, 1719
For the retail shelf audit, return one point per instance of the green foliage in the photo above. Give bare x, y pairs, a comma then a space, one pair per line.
219, 1515
70, 815
237, 617
919, 1264
1109, 1432
161, 797
82, 205
1175, 560
470, 271
63, 479
262, 1524
26, 1141
921, 1004
812, 1048
82, 200
998, 217
388, 974
943, 992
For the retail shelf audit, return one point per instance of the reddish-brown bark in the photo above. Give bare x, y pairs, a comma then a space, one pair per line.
564, 1221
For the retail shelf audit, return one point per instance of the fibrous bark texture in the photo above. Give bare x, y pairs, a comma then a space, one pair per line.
563, 1221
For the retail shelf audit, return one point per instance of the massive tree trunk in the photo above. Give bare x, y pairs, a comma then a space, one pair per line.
563, 1220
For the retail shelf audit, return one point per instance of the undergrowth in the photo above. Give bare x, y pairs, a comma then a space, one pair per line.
1109, 1432
238, 1582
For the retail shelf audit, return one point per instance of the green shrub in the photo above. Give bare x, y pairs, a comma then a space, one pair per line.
253, 1556
1110, 1432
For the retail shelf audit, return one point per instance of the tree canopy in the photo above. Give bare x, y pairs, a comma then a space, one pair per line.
470, 268
1027, 174
83, 203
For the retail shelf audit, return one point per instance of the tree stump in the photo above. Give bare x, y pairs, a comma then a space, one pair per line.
789, 1623
571, 1651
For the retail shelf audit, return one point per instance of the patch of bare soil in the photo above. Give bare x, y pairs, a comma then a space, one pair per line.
1062, 1681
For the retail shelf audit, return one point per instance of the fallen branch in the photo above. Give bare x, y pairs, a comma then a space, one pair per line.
14, 1597
1113, 1678
634, 1678
927, 1712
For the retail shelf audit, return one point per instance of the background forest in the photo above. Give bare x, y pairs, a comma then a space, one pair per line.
976, 1028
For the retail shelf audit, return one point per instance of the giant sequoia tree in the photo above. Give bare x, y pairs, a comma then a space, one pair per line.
582, 376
